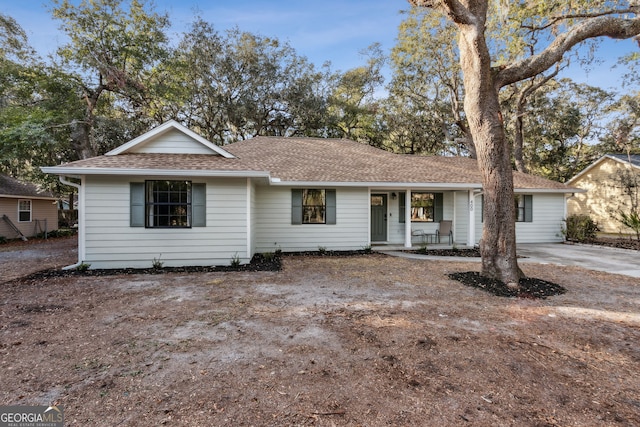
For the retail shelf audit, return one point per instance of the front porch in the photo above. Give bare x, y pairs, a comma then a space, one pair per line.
412, 218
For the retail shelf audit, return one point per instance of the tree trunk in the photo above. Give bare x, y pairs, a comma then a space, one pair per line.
482, 107
518, 142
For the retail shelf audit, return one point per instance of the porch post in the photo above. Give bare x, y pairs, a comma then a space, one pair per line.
407, 219
471, 234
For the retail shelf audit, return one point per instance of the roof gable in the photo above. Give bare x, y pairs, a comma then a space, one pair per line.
170, 138
634, 159
621, 158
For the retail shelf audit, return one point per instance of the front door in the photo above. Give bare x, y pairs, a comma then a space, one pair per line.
378, 217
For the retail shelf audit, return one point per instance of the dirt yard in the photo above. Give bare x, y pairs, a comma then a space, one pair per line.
351, 341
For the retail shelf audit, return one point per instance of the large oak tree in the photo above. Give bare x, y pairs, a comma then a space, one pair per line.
109, 50
562, 24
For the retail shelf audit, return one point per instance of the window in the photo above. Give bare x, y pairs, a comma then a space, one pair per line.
422, 207
24, 210
313, 206
524, 207
425, 207
168, 204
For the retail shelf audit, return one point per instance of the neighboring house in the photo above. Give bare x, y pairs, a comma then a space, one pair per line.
173, 196
604, 194
26, 208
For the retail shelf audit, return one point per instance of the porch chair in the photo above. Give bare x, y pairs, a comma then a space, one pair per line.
445, 230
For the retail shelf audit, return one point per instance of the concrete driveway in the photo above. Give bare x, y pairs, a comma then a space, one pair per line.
599, 258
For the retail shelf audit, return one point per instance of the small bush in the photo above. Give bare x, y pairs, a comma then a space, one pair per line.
83, 267
61, 232
3, 240
235, 261
580, 228
156, 263
631, 220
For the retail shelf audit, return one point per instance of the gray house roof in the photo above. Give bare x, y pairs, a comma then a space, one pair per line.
11, 187
634, 158
299, 161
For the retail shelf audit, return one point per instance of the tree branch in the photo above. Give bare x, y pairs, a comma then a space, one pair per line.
458, 13
617, 28
553, 20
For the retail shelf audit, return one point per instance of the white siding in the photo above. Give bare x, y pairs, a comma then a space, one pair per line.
174, 142
112, 243
252, 217
547, 220
548, 215
274, 229
461, 223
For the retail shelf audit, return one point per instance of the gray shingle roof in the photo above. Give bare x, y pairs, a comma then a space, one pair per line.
12, 187
317, 160
635, 158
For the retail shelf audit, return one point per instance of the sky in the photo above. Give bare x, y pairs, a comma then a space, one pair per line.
326, 30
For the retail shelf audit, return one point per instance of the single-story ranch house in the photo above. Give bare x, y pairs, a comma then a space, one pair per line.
173, 196
25, 210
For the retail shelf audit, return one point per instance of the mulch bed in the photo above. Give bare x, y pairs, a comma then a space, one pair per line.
620, 242
529, 287
259, 262
467, 252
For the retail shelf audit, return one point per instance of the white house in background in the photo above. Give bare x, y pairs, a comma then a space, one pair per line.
172, 195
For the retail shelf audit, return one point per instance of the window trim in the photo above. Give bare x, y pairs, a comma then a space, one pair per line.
528, 208
149, 206
20, 210
524, 205
308, 208
437, 208
297, 206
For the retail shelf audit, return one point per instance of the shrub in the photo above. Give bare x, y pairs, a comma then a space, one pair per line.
156, 263
631, 220
235, 261
83, 267
580, 228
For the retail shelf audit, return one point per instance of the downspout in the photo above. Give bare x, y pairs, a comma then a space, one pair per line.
63, 179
